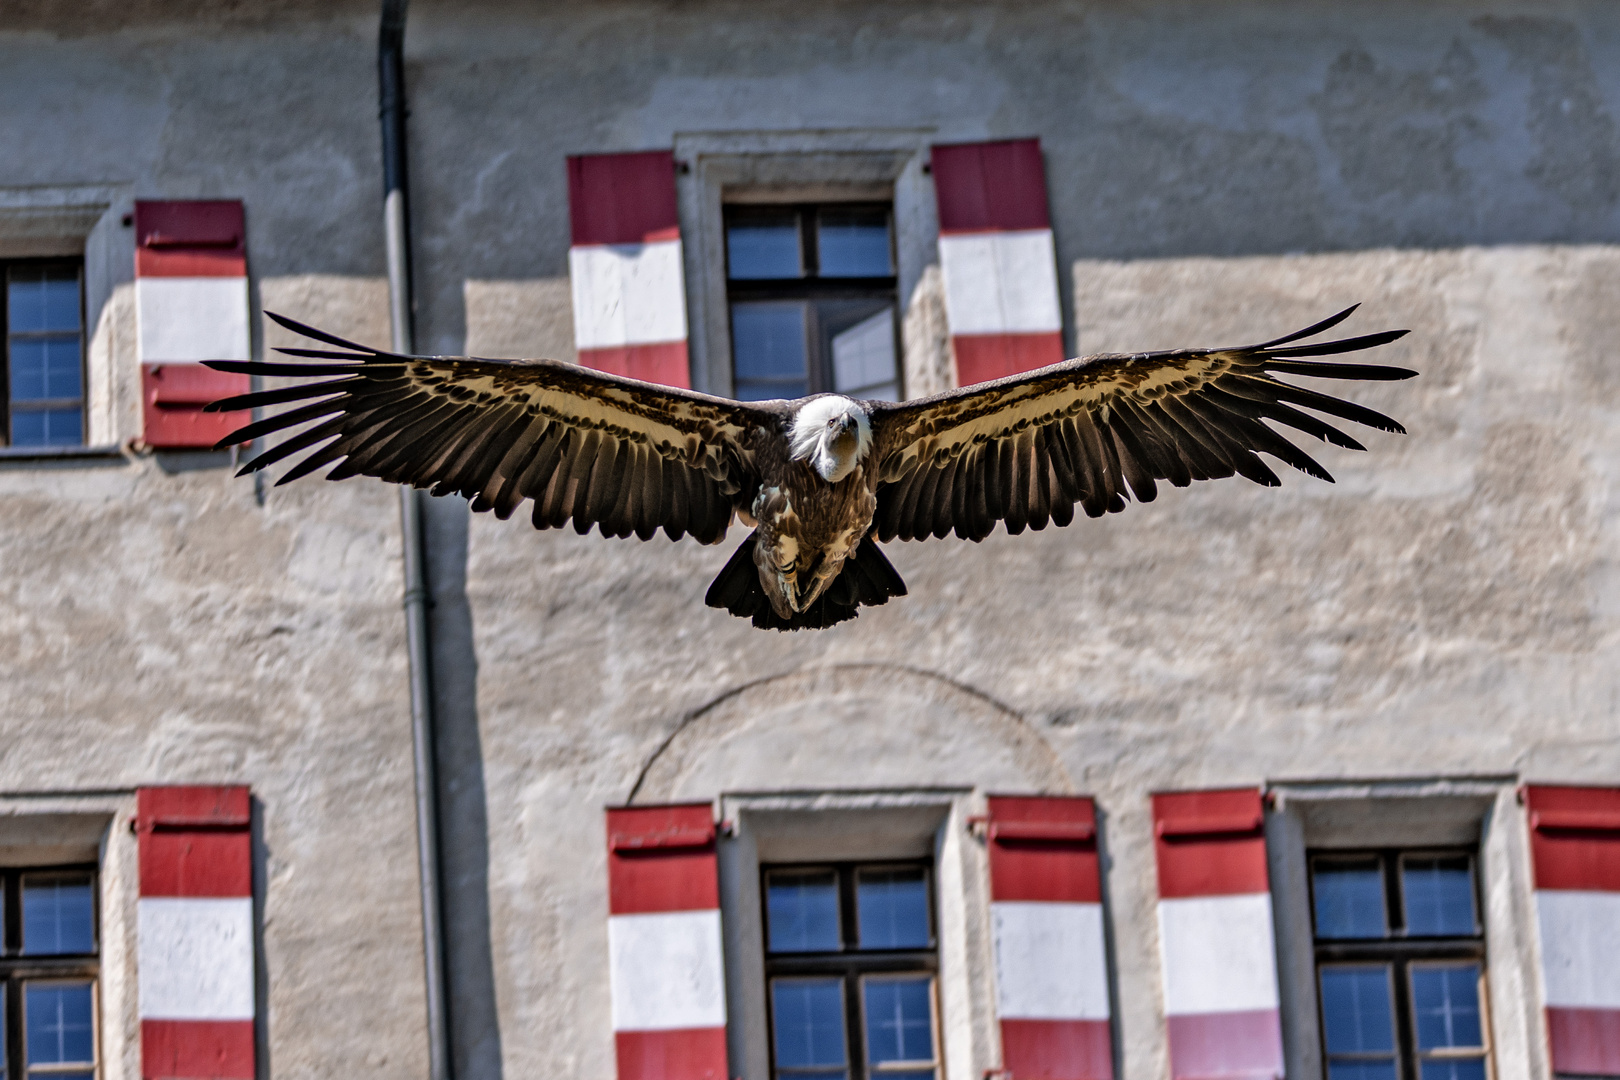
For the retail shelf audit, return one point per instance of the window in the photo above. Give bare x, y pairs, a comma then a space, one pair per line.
48, 969
1400, 963
812, 295
42, 384
850, 962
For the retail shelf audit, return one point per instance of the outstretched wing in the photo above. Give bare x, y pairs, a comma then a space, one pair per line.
1026, 449
629, 456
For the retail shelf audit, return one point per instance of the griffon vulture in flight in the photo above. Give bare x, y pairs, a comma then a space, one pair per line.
821, 479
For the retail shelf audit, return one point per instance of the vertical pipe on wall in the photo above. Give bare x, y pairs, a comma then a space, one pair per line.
391, 84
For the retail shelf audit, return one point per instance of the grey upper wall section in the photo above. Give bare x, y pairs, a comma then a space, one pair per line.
279, 111
1171, 129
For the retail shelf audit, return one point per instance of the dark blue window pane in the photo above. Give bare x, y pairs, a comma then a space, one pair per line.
1349, 899
1445, 1006
60, 1023
763, 248
853, 243
1439, 896
38, 300
808, 1018
802, 910
43, 368
58, 915
1356, 1014
899, 1020
1470, 1069
1361, 1070
892, 908
47, 427
768, 349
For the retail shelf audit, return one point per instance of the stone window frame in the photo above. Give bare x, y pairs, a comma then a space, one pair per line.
870, 164
57, 830
82, 221
1479, 813
843, 827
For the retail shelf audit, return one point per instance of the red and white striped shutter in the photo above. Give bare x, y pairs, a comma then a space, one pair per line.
998, 258
625, 266
1047, 923
194, 943
1216, 935
668, 977
191, 304
1575, 849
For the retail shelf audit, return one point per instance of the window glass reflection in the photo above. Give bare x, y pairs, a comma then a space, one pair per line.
1439, 895
802, 912
768, 349
863, 357
42, 299
43, 368
1349, 898
763, 247
58, 915
1445, 1006
853, 243
892, 909
807, 1016
61, 1023
900, 1022
1356, 1010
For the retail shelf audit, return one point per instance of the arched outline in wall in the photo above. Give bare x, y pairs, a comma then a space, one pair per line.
1003, 710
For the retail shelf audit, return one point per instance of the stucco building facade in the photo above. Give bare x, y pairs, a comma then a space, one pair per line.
1339, 688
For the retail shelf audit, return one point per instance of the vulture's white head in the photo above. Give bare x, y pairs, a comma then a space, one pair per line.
832, 433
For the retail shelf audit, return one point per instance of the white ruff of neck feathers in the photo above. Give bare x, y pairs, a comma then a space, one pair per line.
811, 438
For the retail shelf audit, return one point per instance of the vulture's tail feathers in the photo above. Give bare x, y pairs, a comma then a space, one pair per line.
868, 578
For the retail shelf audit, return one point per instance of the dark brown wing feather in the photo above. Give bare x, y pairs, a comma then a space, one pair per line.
1025, 449
584, 446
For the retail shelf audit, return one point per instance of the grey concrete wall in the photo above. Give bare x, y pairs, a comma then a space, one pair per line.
1448, 608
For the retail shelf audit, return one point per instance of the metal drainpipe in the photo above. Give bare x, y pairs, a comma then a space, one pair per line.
396, 223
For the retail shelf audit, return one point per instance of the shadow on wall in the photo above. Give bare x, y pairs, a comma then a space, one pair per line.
475, 1035
850, 726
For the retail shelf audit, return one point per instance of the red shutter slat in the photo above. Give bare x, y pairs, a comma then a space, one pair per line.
190, 238
622, 198
625, 266
1043, 849
195, 944
1052, 997
998, 258
1216, 935
1209, 843
989, 186
1575, 857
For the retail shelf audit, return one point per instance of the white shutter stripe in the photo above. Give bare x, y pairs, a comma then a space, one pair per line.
1580, 939
1050, 962
1001, 282
195, 956
666, 970
1217, 954
627, 294
180, 319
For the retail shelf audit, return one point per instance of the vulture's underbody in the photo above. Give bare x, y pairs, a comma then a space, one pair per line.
821, 479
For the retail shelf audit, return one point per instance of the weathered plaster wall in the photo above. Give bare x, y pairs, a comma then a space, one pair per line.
1445, 609
1449, 607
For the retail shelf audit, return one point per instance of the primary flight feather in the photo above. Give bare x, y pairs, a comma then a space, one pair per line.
821, 479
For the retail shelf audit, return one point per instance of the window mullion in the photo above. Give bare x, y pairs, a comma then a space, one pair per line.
16, 1064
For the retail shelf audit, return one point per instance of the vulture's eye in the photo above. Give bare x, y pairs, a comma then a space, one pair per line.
833, 422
